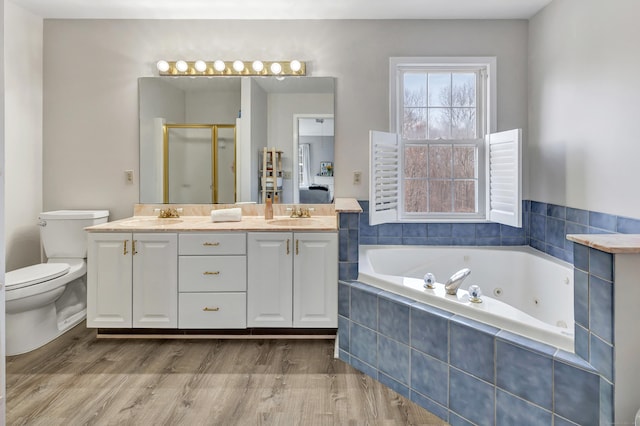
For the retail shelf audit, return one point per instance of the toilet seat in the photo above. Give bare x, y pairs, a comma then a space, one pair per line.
35, 274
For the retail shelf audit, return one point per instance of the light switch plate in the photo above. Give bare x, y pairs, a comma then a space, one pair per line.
357, 177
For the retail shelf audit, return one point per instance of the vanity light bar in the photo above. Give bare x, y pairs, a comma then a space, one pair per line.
230, 68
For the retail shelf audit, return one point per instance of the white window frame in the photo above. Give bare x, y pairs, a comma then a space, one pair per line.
493, 201
485, 67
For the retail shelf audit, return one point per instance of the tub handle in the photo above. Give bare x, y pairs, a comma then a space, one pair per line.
474, 294
429, 280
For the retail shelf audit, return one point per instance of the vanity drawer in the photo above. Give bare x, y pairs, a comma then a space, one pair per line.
212, 273
212, 310
212, 243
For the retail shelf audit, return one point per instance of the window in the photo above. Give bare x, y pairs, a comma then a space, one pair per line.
435, 169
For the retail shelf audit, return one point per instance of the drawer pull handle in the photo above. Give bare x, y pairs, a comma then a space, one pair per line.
124, 251
208, 244
208, 309
297, 251
211, 273
287, 246
133, 244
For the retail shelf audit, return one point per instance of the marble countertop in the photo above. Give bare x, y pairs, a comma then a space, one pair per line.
347, 205
142, 223
609, 243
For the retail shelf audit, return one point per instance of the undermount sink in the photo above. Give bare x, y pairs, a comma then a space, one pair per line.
303, 221
150, 222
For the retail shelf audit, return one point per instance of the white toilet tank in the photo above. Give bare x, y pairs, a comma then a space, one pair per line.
62, 231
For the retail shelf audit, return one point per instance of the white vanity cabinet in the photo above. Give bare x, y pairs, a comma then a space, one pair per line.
292, 279
132, 280
212, 280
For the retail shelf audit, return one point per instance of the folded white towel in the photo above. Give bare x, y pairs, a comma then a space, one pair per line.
226, 215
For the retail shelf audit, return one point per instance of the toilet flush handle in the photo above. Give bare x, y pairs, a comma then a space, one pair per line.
42, 223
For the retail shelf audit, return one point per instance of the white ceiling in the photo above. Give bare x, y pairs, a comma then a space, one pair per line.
284, 9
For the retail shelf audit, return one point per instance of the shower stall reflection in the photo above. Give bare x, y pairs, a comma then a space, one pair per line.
199, 163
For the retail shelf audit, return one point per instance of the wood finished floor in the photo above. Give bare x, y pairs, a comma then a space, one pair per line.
80, 380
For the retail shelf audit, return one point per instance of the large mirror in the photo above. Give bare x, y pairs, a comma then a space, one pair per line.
288, 114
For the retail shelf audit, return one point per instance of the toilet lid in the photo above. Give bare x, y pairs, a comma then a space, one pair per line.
34, 274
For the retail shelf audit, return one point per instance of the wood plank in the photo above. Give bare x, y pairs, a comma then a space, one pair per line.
78, 379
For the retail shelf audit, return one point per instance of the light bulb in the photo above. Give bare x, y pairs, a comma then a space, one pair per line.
200, 66
219, 65
238, 66
181, 65
257, 66
162, 65
276, 68
295, 65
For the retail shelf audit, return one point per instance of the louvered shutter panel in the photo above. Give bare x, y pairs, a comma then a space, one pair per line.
384, 182
505, 177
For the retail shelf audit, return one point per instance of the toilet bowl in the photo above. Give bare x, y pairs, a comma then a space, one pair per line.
45, 300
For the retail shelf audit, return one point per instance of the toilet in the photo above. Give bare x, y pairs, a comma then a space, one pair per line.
45, 300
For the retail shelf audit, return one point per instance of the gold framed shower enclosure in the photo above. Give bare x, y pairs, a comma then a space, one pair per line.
171, 160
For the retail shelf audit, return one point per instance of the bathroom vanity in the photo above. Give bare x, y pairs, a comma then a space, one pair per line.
193, 274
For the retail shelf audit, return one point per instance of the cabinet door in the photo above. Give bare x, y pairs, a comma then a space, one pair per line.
315, 280
109, 280
269, 275
155, 280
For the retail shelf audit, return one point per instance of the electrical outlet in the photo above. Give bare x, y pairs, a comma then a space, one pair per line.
129, 175
286, 174
357, 178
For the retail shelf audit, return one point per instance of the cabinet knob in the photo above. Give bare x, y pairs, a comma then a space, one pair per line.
211, 273
208, 244
208, 309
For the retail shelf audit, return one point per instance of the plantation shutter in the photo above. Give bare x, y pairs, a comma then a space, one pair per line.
504, 187
384, 184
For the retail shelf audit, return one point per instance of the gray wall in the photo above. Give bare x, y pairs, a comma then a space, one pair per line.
92, 67
583, 105
23, 148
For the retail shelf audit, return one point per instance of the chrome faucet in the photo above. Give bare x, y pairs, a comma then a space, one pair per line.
453, 284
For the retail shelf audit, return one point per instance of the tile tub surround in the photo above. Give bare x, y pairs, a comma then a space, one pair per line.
462, 370
545, 228
348, 245
605, 305
440, 358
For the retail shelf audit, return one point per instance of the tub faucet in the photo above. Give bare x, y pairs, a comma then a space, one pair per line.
453, 284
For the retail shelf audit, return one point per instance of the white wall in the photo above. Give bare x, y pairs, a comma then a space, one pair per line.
162, 103
92, 67
583, 105
23, 135
257, 117
212, 107
3, 374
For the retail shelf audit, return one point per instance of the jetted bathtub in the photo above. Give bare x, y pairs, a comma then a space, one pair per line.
523, 290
